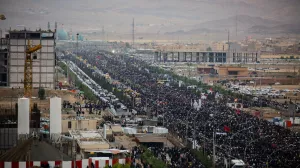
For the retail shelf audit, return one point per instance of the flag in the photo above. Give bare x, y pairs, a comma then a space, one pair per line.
226, 129
288, 123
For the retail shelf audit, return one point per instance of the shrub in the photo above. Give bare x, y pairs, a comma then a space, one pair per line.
41, 93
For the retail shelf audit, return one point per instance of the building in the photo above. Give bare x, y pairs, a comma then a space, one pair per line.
231, 71
73, 124
151, 140
205, 69
43, 67
216, 57
219, 46
88, 141
3, 61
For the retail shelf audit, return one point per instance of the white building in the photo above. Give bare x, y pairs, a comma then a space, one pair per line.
43, 67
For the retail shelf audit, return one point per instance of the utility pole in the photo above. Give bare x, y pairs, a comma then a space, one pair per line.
103, 33
77, 44
236, 24
133, 33
228, 49
214, 149
194, 135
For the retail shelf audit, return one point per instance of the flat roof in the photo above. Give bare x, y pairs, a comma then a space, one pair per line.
151, 138
30, 31
91, 137
116, 128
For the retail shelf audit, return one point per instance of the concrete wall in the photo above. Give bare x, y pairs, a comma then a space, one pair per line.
224, 71
83, 124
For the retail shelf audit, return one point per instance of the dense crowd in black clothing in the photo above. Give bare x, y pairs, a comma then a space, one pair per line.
176, 157
172, 157
258, 142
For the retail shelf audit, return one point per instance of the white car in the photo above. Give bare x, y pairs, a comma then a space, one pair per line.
277, 83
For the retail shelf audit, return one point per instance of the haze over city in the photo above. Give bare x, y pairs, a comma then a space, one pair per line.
149, 83
162, 19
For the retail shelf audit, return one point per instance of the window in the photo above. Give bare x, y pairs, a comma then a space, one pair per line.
69, 124
232, 72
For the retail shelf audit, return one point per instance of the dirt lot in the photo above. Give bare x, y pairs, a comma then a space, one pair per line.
290, 87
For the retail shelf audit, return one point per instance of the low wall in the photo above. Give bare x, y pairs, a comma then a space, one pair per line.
66, 164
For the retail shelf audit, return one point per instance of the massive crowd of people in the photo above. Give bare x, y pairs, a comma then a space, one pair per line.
258, 142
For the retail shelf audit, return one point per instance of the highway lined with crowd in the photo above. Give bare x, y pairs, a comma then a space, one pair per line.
258, 142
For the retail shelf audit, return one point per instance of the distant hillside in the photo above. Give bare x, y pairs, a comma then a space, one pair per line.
285, 28
244, 22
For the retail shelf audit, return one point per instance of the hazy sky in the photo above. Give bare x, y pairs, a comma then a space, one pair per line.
150, 15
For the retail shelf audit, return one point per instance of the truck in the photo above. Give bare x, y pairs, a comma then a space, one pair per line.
236, 163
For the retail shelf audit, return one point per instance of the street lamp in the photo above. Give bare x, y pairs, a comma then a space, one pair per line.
2, 17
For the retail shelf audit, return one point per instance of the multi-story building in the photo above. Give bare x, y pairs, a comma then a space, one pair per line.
219, 46
3, 61
43, 68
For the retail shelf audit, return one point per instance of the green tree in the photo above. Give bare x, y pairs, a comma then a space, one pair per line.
127, 45
292, 57
209, 49
282, 57
119, 166
41, 93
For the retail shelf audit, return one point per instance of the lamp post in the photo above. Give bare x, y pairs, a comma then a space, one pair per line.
77, 44
2, 17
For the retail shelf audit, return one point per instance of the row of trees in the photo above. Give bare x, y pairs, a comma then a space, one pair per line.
78, 84
199, 84
290, 57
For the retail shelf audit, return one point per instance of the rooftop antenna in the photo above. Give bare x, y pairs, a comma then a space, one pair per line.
133, 33
229, 59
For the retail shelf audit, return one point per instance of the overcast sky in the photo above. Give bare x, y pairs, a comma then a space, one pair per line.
150, 15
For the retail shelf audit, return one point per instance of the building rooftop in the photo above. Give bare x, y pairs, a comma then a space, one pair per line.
150, 138
91, 139
30, 31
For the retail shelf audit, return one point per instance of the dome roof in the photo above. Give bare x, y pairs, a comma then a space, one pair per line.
80, 37
62, 34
